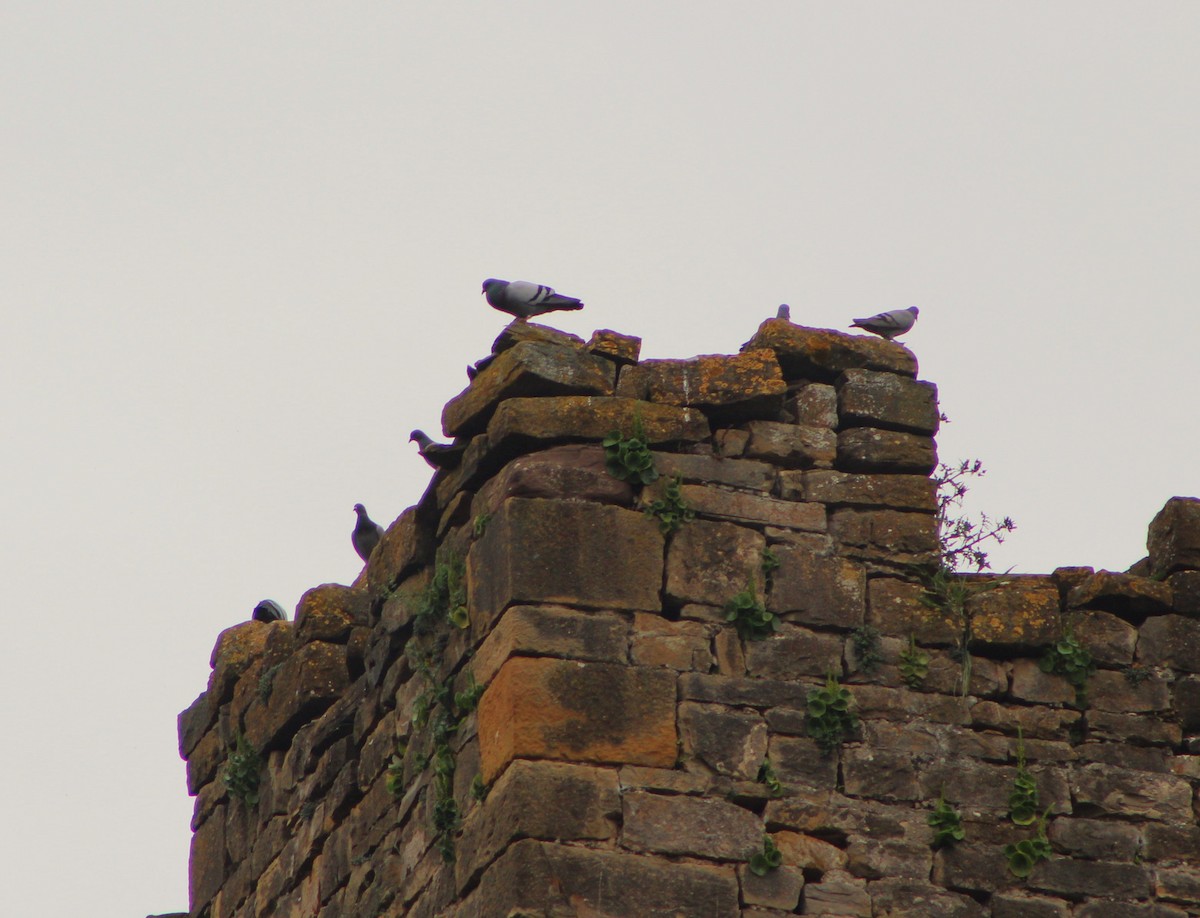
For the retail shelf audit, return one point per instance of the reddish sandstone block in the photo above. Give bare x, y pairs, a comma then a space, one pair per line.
746, 385
1023, 611
308, 682
583, 712
552, 631
565, 552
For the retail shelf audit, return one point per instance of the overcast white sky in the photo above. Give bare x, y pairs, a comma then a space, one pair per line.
240, 255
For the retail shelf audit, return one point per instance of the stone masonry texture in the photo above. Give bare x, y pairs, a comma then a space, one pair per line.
538, 698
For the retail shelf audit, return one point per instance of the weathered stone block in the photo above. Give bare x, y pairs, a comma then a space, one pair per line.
1031, 684
304, 685
538, 800
551, 631
519, 330
1174, 537
538, 876
822, 353
756, 509
895, 607
817, 589
574, 553
1101, 839
809, 853
1129, 597
1076, 878
777, 889
526, 369
709, 562
1124, 793
892, 535
869, 449
525, 424
681, 646
1185, 592
895, 859
235, 651
757, 693
913, 898
328, 612
1172, 844
880, 774
838, 895
1186, 698
1112, 691
745, 474
1170, 640
1109, 639
620, 349
571, 472
691, 826
975, 867
793, 653
791, 445
814, 404
1022, 905
870, 399
897, 492
798, 760
193, 723
207, 864
1022, 612
583, 712
1178, 884
730, 742
742, 386
405, 545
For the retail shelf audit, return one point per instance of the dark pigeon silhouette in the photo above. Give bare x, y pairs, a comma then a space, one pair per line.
784, 312
269, 611
367, 533
438, 455
524, 300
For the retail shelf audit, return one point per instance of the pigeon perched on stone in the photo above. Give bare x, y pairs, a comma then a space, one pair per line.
479, 366
269, 611
367, 533
889, 324
784, 312
524, 300
438, 455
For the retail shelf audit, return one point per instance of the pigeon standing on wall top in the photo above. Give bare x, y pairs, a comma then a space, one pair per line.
524, 300
784, 312
438, 455
889, 324
367, 533
268, 611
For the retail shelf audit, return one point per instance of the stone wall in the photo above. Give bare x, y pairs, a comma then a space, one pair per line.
531, 702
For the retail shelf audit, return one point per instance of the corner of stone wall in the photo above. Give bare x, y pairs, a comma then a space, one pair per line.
533, 702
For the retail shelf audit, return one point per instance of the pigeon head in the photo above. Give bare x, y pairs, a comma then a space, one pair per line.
914, 310
360, 509
491, 281
420, 436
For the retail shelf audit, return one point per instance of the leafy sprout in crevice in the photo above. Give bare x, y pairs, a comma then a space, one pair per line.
946, 823
243, 771
766, 860
750, 616
829, 714
1071, 660
914, 664
629, 458
767, 776
867, 648
671, 510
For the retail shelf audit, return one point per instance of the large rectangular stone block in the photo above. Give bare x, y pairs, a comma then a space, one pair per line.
710, 562
822, 353
746, 385
562, 552
869, 399
582, 712
528, 368
692, 826
898, 492
869, 449
552, 631
1174, 536
817, 589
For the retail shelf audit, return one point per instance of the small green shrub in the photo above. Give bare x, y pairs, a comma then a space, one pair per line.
243, 771
629, 458
767, 776
867, 647
753, 621
1023, 801
445, 597
914, 664
1069, 659
468, 699
671, 511
829, 714
767, 859
946, 823
770, 564
479, 790
1024, 855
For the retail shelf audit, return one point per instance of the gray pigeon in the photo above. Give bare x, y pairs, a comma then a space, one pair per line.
438, 455
367, 533
269, 611
479, 366
785, 312
525, 300
889, 324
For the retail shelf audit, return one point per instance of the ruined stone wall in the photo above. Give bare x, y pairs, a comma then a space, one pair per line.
532, 701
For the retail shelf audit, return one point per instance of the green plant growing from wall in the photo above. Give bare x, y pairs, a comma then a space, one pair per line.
1071, 660
1136, 675
946, 823
480, 524
750, 616
829, 714
479, 790
394, 782
266, 681
1024, 855
671, 510
914, 664
243, 771
1023, 801
867, 648
769, 565
767, 776
446, 596
468, 699
629, 458
766, 860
